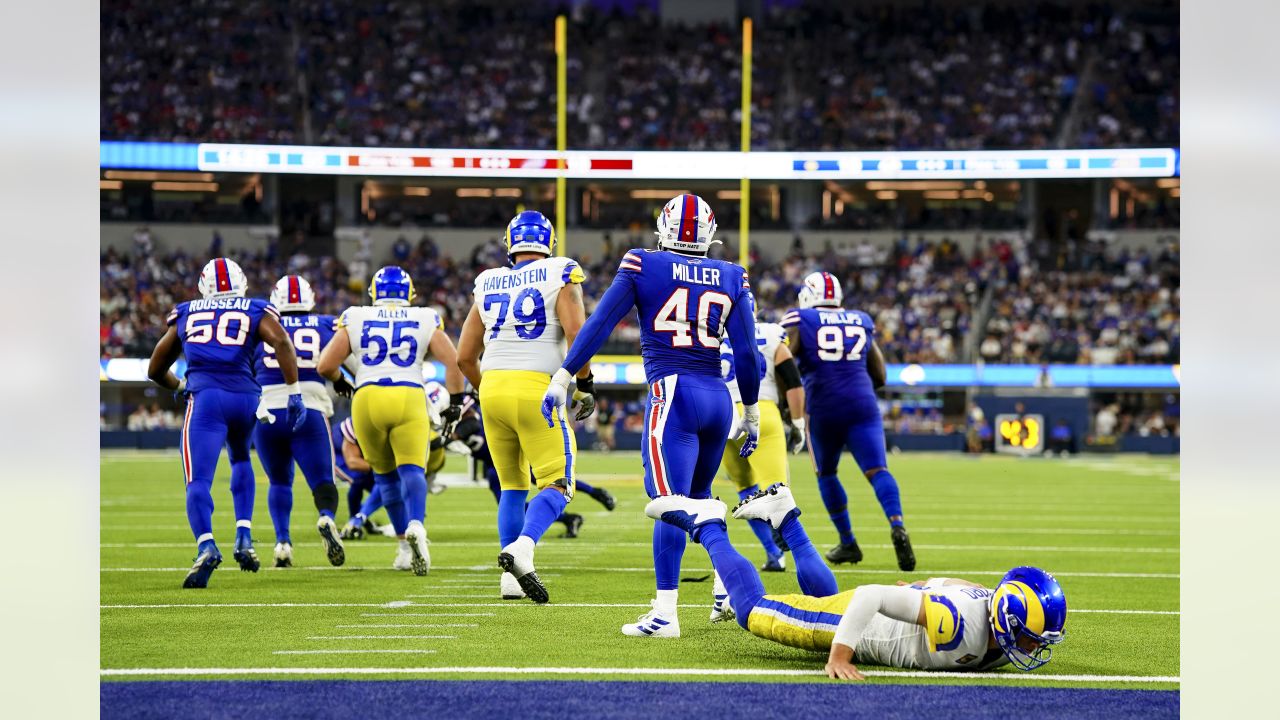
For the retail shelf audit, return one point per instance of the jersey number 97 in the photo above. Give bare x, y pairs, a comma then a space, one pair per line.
841, 342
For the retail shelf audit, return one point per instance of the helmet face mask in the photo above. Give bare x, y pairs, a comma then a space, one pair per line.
392, 286
820, 289
687, 225
222, 278
530, 231
292, 293
1028, 612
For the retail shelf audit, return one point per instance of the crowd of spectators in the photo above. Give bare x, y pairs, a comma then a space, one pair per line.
826, 74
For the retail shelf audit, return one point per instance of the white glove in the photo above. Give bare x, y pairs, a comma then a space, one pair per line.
263, 414
557, 392
748, 425
458, 447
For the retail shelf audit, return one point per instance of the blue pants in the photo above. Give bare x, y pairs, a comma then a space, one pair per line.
687, 423
279, 446
830, 436
216, 418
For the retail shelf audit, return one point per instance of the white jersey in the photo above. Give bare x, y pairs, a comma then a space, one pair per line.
389, 342
959, 632
768, 337
518, 306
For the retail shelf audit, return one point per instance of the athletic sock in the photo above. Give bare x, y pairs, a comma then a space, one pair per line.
816, 579
886, 488
740, 577
667, 603
372, 504
207, 544
326, 498
543, 510
200, 507
837, 504
511, 515
242, 492
244, 533
763, 532
413, 484
389, 492
581, 487
280, 506
668, 549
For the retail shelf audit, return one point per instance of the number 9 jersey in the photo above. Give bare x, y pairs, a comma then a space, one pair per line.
518, 307
389, 342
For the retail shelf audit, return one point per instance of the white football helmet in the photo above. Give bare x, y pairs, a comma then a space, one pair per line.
686, 224
293, 293
222, 277
821, 289
437, 401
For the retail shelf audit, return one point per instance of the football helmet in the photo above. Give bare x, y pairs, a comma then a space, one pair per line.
437, 400
821, 289
293, 293
530, 231
686, 224
1028, 605
391, 286
221, 278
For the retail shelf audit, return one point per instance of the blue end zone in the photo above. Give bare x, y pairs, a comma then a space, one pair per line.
559, 699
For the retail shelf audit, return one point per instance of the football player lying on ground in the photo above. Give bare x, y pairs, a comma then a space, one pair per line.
934, 624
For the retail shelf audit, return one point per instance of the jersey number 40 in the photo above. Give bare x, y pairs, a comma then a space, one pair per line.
674, 317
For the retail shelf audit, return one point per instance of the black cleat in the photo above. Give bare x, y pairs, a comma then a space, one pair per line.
248, 558
529, 581
780, 541
333, 549
845, 553
902, 546
604, 497
572, 524
775, 564
205, 563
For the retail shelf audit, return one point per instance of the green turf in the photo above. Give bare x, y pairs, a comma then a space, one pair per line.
1085, 520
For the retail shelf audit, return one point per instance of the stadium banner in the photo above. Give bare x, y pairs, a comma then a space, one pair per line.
626, 370
643, 165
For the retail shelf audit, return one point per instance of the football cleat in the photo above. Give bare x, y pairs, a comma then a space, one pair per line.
686, 513
247, 557
721, 610
604, 497
205, 563
404, 557
780, 541
332, 543
284, 555
517, 558
653, 624
773, 505
416, 537
845, 553
902, 548
510, 588
572, 524
775, 564
353, 530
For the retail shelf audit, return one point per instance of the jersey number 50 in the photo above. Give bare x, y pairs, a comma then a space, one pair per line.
831, 342
674, 318
406, 346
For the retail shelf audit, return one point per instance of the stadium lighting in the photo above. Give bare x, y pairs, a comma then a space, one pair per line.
185, 186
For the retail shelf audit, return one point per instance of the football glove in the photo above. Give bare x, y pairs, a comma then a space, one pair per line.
796, 436
449, 416
295, 412
749, 426
584, 398
262, 413
181, 394
555, 396
343, 387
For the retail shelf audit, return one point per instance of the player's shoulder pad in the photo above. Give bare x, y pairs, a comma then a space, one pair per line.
433, 317
177, 310
944, 625
567, 269
345, 319
266, 307
791, 318
633, 261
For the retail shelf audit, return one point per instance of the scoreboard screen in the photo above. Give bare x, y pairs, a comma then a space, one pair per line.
1019, 434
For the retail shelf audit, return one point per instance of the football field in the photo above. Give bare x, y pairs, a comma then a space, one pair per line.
1108, 528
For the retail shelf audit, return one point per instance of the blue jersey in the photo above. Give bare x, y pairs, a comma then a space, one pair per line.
685, 305
309, 333
220, 337
832, 356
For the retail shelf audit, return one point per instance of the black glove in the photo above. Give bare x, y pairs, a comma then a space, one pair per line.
343, 387
449, 416
585, 398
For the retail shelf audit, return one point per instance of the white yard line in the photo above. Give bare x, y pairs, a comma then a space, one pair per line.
646, 545
423, 625
686, 571
383, 637
632, 671
701, 606
425, 614
452, 595
351, 652
246, 605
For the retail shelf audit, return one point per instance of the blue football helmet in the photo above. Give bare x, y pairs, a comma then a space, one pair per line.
1028, 605
530, 231
392, 286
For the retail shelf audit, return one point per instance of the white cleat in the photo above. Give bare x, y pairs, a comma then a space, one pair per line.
420, 557
510, 588
404, 557
772, 505
685, 512
721, 610
332, 539
653, 624
517, 559
284, 555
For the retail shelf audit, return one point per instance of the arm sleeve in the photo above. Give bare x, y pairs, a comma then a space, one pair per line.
746, 359
899, 603
788, 375
616, 303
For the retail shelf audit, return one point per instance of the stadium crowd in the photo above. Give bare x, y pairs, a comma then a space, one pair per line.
826, 75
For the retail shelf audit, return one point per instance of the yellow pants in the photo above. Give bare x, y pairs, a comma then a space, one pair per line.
392, 426
518, 437
808, 623
435, 460
768, 464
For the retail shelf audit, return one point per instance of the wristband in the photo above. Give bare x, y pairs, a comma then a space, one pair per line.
587, 384
182, 385
292, 388
456, 398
